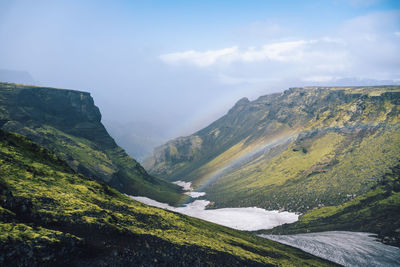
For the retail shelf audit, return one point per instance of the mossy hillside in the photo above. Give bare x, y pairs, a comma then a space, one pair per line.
68, 123
376, 211
52, 215
347, 138
333, 168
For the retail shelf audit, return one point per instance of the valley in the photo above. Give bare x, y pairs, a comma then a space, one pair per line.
246, 219
330, 154
59, 205
51, 215
200, 133
306, 161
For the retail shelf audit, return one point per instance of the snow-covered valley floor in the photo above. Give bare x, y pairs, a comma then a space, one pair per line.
345, 248
249, 219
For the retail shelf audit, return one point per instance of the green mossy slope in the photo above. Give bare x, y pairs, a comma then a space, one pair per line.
68, 123
50, 215
378, 212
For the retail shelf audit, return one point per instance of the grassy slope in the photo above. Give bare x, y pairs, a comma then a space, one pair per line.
68, 123
347, 139
377, 212
335, 168
50, 214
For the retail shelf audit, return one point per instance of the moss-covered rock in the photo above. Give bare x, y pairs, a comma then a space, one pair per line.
68, 123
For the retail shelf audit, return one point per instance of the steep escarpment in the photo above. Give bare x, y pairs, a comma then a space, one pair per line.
68, 123
52, 216
296, 150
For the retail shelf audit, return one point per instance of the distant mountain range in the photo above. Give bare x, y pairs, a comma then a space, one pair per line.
138, 138
14, 76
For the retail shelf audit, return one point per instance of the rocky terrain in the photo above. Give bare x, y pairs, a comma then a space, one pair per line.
68, 123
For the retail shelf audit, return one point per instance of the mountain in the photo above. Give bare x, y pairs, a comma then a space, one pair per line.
14, 76
138, 138
50, 215
68, 123
297, 150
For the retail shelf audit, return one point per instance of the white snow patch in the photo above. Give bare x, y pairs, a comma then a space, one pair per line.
187, 186
345, 248
194, 194
248, 219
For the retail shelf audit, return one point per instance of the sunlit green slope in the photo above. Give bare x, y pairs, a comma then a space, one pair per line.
50, 215
378, 212
296, 150
68, 123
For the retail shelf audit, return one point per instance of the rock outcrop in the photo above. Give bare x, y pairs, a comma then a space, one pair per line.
68, 123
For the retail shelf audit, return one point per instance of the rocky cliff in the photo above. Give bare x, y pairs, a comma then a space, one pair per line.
69, 123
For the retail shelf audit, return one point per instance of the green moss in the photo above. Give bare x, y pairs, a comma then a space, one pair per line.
63, 201
375, 211
347, 138
13, 232
68, 123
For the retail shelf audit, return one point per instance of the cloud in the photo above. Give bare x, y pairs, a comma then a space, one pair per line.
283, 51
318, 79
280, 51
363, 47
201, 59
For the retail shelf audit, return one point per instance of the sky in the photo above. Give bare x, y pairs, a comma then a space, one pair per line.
162, 69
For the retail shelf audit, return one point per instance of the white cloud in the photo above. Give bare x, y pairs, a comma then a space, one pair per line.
233, 80
201, 59
363, 47
280, 51
318, 79
283, 51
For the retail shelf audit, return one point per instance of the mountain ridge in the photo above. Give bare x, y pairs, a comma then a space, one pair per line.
333, 127
68, 123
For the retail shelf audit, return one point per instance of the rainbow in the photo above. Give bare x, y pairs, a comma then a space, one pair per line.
243, 158
255, 150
